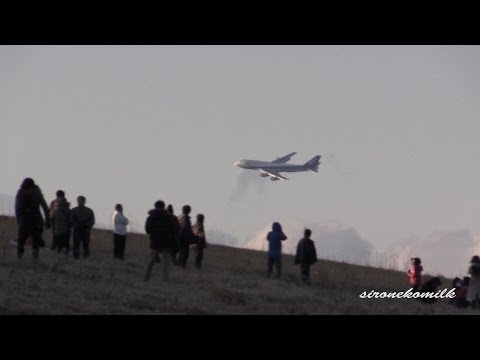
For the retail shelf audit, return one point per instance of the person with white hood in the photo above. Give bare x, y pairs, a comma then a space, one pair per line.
120, 223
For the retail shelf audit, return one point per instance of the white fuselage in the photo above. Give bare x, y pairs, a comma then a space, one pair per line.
269, 166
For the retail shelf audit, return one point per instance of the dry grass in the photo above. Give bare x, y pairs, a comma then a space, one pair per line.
232, 281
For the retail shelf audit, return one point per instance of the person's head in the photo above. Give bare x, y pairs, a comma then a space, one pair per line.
159, 205
60, 194
119, 207
307, 233
475, 259
186, 209
416, 261
200, 218
170, 209
81, 200
457, 282
27, 183
276, 226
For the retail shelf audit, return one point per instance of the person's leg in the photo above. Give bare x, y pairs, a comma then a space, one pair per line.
115, 246
76, 243
183, 257
23, 234
151, 262
67, 242
86, 244
270, 266
199, 258
123, 242
278, 265
166, 258
36, 241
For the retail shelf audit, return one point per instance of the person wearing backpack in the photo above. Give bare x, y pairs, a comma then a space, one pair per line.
28, 201
473, 293
305, 256
82, 219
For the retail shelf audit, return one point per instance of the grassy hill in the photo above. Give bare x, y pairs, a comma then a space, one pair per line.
232, 281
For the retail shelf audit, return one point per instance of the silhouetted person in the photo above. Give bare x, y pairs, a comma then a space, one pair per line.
461, 288
53, 206
160, 228
430, 286
473, 293
28, 201
120, 223
186, 235
305, 256
176, 233
415, 273
275, 238
61, 226
199, 240
82, 219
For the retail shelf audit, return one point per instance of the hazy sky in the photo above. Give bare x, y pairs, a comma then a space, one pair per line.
397, 127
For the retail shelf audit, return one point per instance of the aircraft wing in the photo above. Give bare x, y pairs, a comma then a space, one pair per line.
273, 174
284, 159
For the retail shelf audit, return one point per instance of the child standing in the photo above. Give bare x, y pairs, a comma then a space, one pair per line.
415, 273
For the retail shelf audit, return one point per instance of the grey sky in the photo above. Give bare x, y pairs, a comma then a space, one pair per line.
397, 128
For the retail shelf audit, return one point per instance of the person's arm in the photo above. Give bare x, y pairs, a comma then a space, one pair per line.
122, 219
92, 220
147, 225
283, 237
44, 206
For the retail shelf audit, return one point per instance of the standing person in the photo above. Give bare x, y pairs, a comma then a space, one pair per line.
159, 227
61, 226
176, 233
199, 240
415, 273
120, 223
28, 201
53, 206
186, 235
306, 255
82, 219
275, 238
473, 292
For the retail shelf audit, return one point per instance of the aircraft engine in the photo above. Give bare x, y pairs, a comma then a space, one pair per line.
263, 175
274, 179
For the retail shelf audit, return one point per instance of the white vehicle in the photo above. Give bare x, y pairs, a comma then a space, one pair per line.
275, 167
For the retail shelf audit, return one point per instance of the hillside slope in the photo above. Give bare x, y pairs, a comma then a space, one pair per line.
232, 281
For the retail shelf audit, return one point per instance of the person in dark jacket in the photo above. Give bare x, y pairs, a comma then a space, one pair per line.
82, 219
199, 240
176, 233
430, 286
275, 238
28, 201
61, 226
186, 235
306, 255
159, 227
53, 206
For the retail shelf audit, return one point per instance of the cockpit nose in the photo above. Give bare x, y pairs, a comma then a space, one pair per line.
238, 163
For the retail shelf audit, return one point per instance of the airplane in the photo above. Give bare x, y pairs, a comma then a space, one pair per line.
275, 167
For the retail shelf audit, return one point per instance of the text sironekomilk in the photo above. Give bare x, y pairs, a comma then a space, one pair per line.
409, 294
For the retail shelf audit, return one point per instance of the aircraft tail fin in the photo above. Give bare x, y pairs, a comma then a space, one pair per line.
313, 163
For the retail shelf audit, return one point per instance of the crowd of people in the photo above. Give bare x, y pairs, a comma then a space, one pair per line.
172, 238
467, 290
